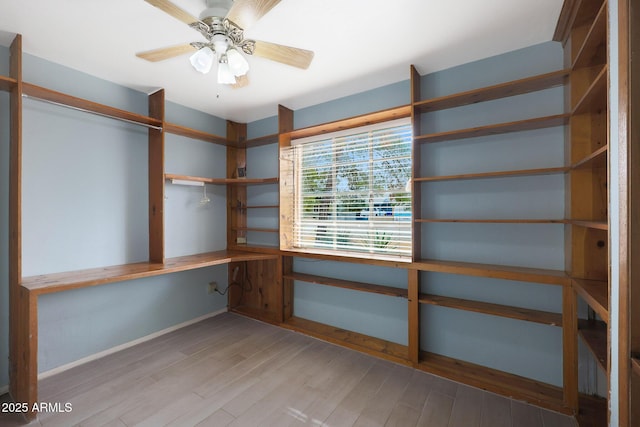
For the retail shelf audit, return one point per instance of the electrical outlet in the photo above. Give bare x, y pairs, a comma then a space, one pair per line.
213, 287
241, 240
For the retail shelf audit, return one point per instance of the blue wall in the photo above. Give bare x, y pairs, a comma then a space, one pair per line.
522, 348
79, 323
85, 205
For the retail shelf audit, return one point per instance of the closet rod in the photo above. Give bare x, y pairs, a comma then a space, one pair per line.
59, 104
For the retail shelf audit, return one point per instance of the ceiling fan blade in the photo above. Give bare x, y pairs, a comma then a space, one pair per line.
245, 13
165, 52
241, 81
173, 10
293, 56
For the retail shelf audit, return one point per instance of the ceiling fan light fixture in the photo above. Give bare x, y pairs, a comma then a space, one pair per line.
225, 76
237, 63
202, 60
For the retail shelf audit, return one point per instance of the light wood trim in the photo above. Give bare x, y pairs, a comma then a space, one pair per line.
594, 334
493, 380
348, 284
349, 339
595, 293
233, 181
413, 308
494, 129
286, 188
595, 96
156, 180
353, 122
502, 90
597, 159
499, 174
7, 83
495, 221
195, 134
519, 313
72, 101
595, 37
522, 274
58, 282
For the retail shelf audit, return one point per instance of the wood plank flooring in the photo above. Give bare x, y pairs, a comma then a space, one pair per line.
233, 371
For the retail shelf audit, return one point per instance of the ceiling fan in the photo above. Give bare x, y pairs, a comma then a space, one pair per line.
222, 24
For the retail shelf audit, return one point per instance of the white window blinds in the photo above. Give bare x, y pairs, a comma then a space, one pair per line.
352, 194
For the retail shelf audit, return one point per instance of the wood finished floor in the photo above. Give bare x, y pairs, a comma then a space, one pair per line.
233, 371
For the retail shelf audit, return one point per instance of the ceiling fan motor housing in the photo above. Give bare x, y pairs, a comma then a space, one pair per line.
216, 8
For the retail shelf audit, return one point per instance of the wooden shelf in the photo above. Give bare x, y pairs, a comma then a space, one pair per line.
521, 274
71, 101
353, 340
503, 90
58, 282
255, 207
594, 334
258, 229
635, 365
494, 221
262, 140
595, 41
499, 174
598, 225
7, 83
519, 313
493, 380
597, 159
237, 181
595, 97
347, 284
595, 293
353, 122
195, 134
495, 129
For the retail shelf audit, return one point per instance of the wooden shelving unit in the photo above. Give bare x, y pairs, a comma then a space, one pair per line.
232, 181
497, 174
494, 129
519, 313
7, 83
348, 284
59, 282
522, 274
503, 90
584, 35
270, 270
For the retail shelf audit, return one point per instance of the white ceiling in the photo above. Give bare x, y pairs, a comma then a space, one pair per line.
358, 45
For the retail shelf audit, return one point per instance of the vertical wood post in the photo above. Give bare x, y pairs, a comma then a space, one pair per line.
156, 180
570, 348
414, 315
416, 199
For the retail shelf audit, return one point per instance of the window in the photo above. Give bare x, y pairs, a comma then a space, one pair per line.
351, 192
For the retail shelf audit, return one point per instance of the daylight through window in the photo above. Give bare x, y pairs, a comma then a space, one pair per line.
352, 192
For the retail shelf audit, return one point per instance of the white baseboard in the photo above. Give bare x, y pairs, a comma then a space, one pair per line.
120, 347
